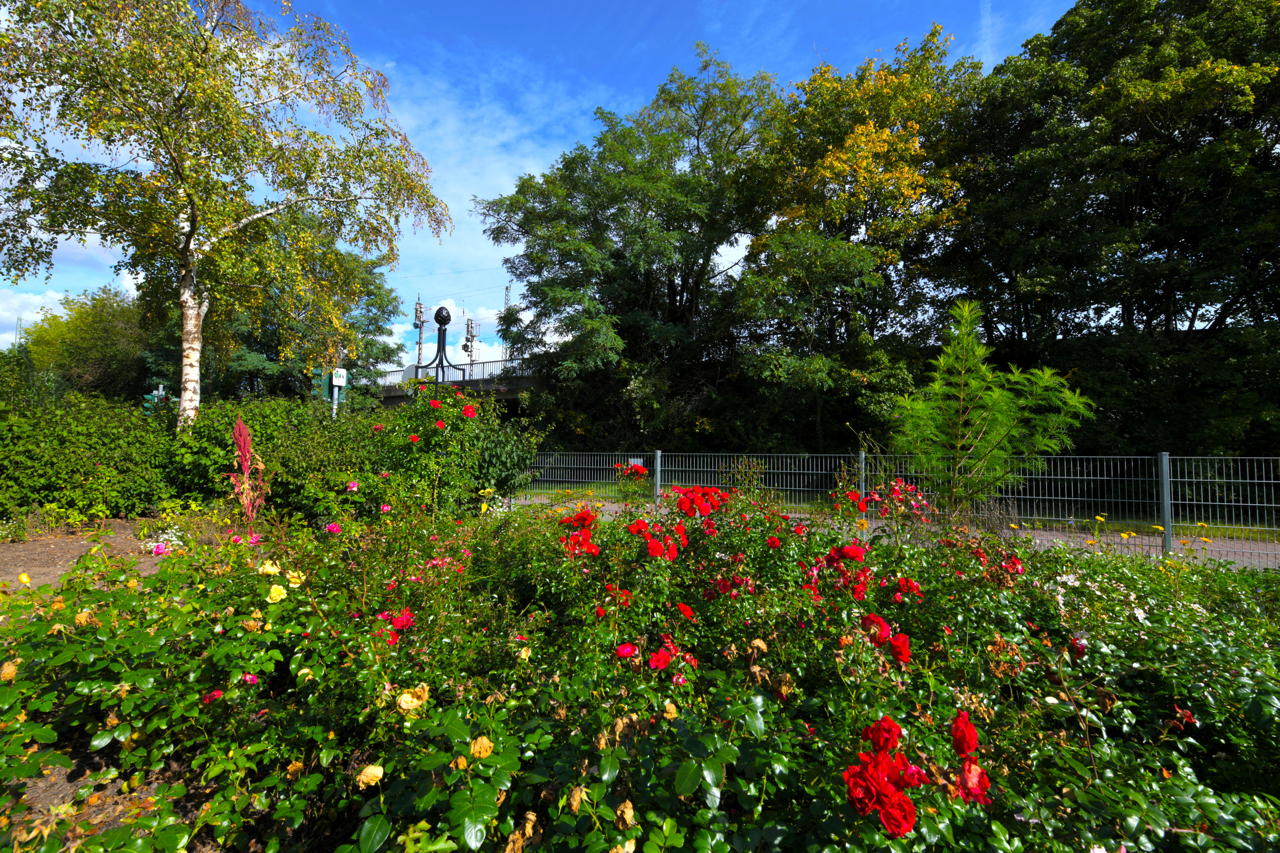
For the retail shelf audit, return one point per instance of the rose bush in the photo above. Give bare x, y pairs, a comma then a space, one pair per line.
711, 675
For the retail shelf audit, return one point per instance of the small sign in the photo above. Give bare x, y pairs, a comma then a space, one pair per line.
339, 377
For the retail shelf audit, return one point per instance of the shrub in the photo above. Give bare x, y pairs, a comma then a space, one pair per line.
89, 457
712, 675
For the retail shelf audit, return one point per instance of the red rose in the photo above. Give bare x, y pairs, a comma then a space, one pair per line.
900, 645
655, 548
659, 659
379, 427
413, 439
686, 610
626, 650
773, 542
974, 783
468, 411
883, 734
964, 737
877, 627
211, 696
600, 612
435, 404
898, 815
439, 424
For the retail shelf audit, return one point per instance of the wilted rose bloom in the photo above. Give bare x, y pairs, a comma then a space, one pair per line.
333, 527
370, 775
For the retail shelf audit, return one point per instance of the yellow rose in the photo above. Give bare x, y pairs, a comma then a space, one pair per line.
9, 671
295, 579
276, 594
269, 568
24, 578
370, 775
408, 702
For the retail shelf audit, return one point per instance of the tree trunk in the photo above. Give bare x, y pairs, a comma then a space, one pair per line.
194, 307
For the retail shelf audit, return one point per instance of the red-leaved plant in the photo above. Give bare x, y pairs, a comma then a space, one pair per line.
249, 483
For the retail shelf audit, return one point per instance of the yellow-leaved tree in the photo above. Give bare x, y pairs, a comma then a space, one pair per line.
182, 132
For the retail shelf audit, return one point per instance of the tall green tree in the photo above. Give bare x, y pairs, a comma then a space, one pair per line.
1123, 172
96, 344
833, 290
628, 251
206, 119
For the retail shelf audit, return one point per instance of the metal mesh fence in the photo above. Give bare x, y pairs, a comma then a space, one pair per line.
1227, 508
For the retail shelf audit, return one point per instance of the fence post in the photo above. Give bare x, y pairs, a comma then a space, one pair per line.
1166, 505
862, 473
657, 475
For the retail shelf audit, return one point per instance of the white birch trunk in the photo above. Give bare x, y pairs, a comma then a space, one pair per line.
194, 308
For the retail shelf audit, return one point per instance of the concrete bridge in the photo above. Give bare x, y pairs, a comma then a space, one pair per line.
502, 379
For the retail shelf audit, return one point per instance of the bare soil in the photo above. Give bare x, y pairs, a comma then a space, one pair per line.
47, 558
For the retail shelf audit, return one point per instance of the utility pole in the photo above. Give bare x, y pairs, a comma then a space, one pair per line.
419, 323
469, 346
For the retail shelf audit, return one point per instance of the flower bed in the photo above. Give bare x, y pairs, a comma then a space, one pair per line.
713, 676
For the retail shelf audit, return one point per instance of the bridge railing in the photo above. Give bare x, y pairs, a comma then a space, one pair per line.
476, 372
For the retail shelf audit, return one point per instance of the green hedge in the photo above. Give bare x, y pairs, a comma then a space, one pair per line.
86, 455
100, 459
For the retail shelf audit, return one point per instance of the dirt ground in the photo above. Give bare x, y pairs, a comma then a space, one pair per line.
48, 558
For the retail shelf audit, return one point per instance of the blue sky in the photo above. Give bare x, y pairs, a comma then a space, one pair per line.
490, 91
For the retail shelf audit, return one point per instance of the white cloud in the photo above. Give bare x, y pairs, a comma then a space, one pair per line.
18, 308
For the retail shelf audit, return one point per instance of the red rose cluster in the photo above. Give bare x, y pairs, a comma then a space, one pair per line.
973, 783
632, 472
578, 540
699, 500
665, 547
878, 783
880, 633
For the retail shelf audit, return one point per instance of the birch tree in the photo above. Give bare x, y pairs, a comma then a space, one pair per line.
169, 128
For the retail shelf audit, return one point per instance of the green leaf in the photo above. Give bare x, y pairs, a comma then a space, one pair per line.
608, 767
374, 833
473, 831
687, 778
100, 740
